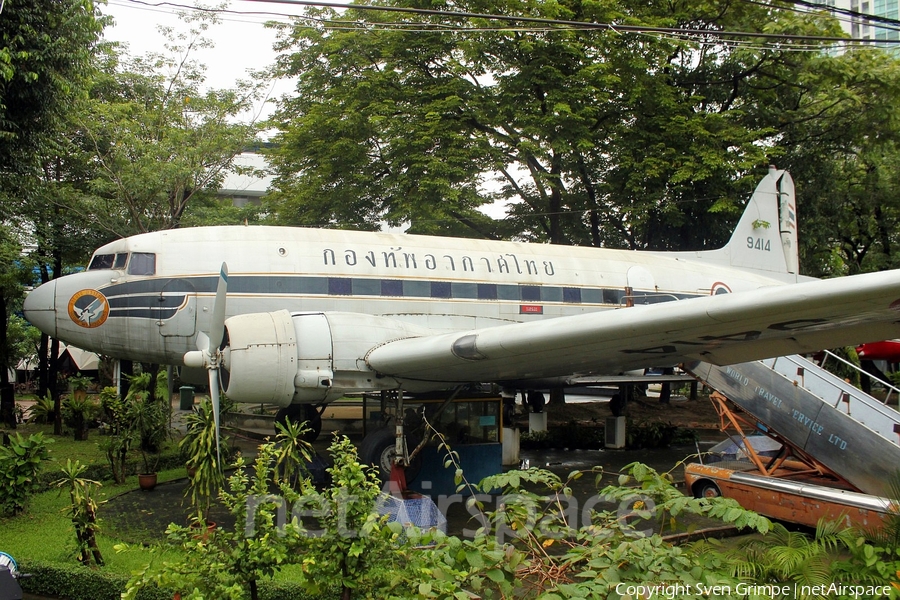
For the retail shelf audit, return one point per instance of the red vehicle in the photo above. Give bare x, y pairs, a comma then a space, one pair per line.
888, 350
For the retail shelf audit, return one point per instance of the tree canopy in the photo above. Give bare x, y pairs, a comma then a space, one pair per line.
600, 137
159, 138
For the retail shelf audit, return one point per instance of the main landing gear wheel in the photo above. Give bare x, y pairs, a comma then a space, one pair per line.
707, 489
379, 448
299, 413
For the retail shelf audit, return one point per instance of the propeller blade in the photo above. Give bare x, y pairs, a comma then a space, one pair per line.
202, 342
214, 396
217, 326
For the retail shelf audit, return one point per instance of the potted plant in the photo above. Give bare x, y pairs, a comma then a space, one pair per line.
199, 447
78, 386
149, 421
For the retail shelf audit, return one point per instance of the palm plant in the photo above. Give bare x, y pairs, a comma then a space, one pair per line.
292, 450
83, 510
149, 420
78, 410
793, 557
200, 448
42, 410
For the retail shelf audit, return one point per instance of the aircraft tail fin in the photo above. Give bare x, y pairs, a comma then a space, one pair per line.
765, 238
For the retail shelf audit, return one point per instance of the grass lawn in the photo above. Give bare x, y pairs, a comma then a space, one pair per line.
42, 538
44, 532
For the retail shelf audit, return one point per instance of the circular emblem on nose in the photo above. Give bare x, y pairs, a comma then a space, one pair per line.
88, 308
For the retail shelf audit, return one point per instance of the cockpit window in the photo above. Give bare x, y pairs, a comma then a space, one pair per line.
101, 261
108, 261
142, 263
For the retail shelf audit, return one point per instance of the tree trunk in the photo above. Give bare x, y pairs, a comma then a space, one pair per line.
53, 376
557, 396
665, 393
7, 405
7, 392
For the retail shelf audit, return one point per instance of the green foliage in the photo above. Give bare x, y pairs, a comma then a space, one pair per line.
120, 435
150, 423
45, 51
839, 367
23, 340
78, 383
19, 465
42, 409
552, 557
82, 511
596, 139
161, 138
78, 411
135, 421
201, 450
654, 434
521, 553
293, 450
74, 582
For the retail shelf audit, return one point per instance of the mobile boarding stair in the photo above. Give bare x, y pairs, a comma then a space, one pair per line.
850, 434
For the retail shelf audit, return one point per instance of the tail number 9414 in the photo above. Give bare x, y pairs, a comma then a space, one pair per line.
755, 243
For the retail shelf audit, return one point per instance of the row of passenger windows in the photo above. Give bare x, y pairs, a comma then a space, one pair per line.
141, 263
341, 286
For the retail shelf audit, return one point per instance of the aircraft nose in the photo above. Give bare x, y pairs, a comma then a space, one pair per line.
40, 308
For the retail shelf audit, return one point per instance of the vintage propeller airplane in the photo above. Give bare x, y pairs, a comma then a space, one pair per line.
313, 314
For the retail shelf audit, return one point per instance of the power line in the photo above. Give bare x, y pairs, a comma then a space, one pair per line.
682, 33
853, 14
573, 24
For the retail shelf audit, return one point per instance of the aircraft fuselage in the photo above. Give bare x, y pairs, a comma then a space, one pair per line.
159, 287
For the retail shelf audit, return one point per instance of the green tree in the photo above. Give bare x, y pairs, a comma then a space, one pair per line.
600, 137
160, 139
13, 273
46, 50
45, 55
842, 146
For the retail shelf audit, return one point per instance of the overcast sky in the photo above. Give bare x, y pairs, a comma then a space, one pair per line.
242, 42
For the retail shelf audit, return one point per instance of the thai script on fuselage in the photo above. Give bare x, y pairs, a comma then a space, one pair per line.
398, 258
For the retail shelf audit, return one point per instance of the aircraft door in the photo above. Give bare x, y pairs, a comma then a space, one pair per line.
177, 309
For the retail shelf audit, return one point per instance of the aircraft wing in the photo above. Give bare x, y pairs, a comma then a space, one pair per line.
724, 329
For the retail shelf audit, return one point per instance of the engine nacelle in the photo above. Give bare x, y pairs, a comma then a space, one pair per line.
278, 358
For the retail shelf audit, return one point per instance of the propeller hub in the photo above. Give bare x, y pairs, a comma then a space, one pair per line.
196, 359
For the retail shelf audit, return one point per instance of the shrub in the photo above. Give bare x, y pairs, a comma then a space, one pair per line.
42, 410
19, 465
649, 435
77, 583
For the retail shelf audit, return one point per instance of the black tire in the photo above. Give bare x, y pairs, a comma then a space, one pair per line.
536, 401
706, 489
617, 405
379, 449
300, 413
